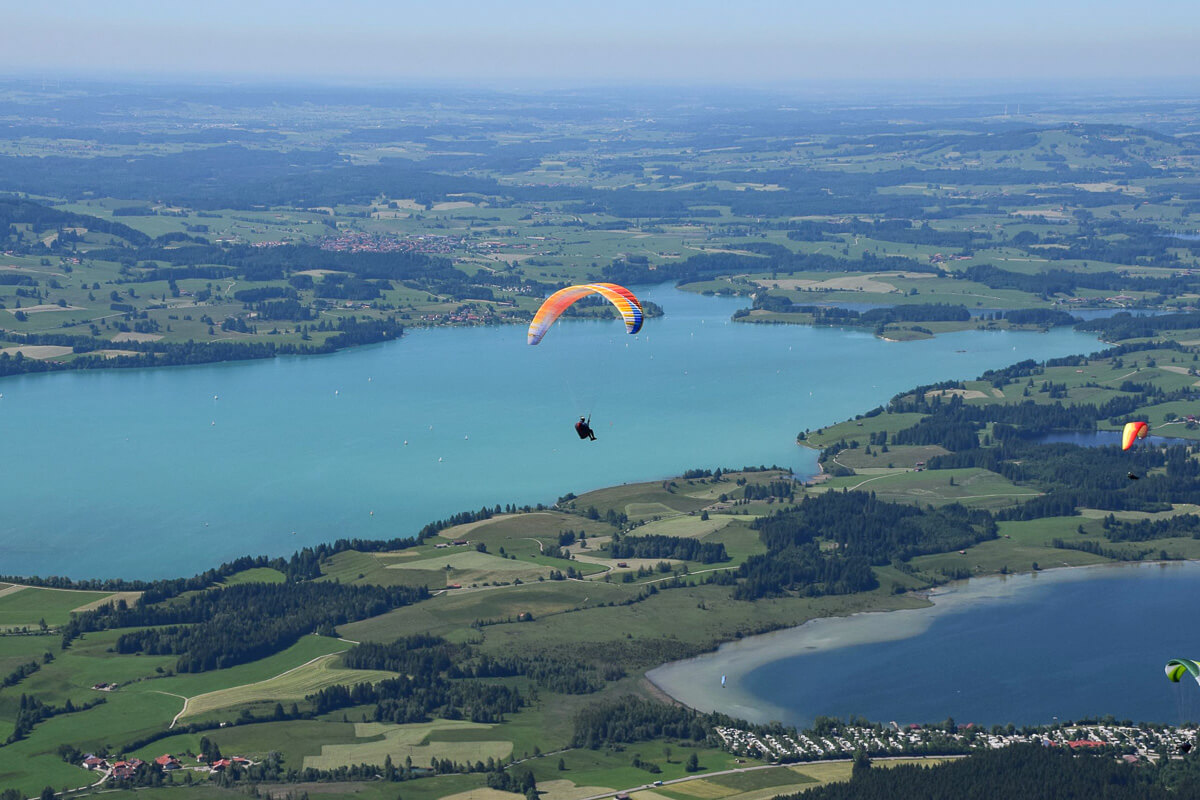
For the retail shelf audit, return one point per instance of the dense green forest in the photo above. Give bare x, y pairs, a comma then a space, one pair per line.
632, 719
44, 218
221, 627
448, 681
866, 532
1025, 772
658, 546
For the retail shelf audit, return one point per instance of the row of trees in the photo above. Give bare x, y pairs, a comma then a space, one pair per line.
1019, 772
1059, 281
659, 546
221, 627
773, 258
892, 230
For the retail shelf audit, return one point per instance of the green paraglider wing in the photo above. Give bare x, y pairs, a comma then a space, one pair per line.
1177, 668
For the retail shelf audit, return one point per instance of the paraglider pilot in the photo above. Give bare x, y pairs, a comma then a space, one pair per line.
584, 429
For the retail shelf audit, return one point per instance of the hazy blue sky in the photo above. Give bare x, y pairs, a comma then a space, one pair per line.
617, 41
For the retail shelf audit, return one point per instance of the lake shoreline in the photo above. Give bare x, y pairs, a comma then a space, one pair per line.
401, 429
135, 361
696, 682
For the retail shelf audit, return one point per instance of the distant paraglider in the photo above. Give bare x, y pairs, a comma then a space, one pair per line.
625, 301
1177, 668
1133, 430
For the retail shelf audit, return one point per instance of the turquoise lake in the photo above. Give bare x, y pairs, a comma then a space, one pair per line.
163, 473
1026, 649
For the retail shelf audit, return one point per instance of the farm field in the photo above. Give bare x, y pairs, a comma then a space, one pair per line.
294, 740
974, 487
256, 575
28, 606
295, 684
410, 741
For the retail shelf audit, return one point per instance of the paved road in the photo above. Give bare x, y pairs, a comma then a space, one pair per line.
751, 769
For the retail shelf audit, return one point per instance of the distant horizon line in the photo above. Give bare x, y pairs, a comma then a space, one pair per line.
1159, 87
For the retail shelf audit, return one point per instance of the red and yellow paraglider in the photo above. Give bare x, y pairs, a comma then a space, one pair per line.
1133, 430
625, 301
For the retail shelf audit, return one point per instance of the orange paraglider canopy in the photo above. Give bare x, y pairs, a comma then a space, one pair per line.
625, 301
1133, 430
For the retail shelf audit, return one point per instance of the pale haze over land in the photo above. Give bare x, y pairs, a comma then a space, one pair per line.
619, 41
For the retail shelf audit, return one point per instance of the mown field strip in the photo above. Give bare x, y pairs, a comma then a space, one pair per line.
294, 684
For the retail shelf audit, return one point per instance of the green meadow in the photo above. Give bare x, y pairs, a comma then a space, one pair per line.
28, 606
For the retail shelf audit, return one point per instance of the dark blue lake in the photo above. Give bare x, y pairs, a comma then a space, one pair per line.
1106, 438
1026, 649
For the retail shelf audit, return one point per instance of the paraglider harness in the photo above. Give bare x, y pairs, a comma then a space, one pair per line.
584, 429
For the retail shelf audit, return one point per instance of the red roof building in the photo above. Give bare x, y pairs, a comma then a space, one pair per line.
124, 769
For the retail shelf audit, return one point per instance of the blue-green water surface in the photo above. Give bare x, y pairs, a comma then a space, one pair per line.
153, 473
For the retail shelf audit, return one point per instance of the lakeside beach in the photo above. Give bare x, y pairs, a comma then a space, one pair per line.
767, 675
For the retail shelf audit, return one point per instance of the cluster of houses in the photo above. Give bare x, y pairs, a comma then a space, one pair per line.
1116, 299
350, 242
464, 315
121, 770
456, 543
941, 258
1134, 742
125, 769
